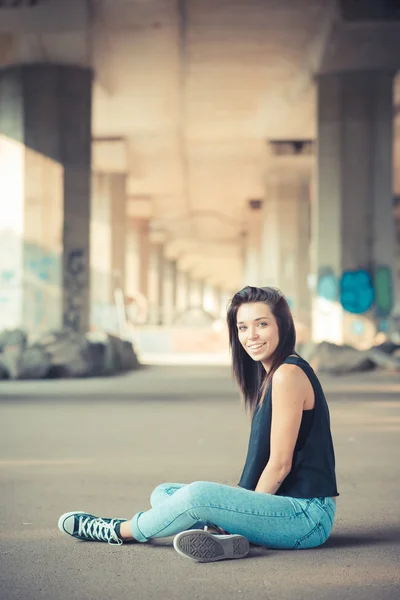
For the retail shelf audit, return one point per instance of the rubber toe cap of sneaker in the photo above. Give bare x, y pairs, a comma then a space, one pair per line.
66, 522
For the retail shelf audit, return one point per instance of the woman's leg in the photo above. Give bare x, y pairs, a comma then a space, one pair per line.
264, 519
164, 491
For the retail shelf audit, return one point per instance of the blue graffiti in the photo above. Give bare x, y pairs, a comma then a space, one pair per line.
383, 325
7, 276
41, 267
383, 291
358, 327
327, 286
356, 291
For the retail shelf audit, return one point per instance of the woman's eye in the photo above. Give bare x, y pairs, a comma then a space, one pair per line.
242, 328
263, 323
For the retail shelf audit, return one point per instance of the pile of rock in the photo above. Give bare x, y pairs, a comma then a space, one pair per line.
63, 354
339, 360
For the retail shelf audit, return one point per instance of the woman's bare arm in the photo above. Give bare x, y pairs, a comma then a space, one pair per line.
290, 387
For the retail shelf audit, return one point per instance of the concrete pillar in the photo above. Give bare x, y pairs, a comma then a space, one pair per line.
286, 236
226, 297
45, 160
182, 291
156, 283
137, 269
100, 255
108, 246
196, 293
212, 300
138, 256
118, 231
252, 244
170, 292
353, 241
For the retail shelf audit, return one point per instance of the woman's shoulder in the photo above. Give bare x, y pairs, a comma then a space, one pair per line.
291, 371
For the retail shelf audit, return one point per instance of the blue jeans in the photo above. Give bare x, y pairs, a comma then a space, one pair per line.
264, 519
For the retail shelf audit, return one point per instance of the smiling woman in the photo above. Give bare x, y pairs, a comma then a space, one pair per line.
261, 325
285, 495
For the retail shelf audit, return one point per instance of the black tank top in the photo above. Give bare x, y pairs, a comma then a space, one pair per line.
313, 466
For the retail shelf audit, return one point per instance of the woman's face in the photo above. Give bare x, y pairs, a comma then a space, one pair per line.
258, 331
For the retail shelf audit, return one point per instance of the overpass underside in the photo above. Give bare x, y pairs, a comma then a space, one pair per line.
157, 156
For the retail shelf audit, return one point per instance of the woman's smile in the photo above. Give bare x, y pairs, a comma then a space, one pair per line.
258, 331
255, 347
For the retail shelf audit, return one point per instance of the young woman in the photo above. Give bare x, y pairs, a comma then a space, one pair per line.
285, 497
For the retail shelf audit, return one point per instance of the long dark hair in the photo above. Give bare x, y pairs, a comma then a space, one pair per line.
250, 375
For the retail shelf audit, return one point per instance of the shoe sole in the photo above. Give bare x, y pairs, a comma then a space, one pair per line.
201, 546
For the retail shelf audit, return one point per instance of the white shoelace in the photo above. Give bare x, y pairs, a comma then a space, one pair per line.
97, 529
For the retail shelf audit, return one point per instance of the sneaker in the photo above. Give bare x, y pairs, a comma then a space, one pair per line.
202, 546
84, 526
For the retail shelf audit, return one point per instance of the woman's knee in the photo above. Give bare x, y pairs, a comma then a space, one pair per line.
198, 492
158, 494
163, 491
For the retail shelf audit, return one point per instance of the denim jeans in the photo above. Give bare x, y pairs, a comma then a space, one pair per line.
264, 519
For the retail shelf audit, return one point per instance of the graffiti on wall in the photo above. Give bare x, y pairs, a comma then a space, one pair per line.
9, 297
7, 276
41, 282
357, 291
383, 291
75, 289
327, 285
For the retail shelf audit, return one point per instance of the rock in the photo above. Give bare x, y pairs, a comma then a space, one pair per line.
12, 337
4, 374
338, 360
34, 363
69, 354
387, 347
12, 344
64, 354
129, 359
97, 352
384, 360
119, 356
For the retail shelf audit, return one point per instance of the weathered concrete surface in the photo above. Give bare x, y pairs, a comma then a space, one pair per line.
102, 446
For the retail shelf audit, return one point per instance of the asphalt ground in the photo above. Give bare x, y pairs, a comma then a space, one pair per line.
103, 445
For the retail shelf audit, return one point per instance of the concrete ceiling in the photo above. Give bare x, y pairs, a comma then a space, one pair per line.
197, 88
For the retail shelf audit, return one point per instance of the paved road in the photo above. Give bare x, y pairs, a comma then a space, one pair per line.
103, 445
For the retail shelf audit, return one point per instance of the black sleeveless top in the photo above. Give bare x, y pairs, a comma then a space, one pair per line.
313, 467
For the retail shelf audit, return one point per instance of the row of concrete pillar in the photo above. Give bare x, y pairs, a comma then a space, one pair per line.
332, 249
127, 256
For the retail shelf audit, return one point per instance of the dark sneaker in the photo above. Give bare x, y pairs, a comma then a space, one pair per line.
84, 526
202, 546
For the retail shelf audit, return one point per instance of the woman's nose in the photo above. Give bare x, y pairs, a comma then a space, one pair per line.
253, 335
